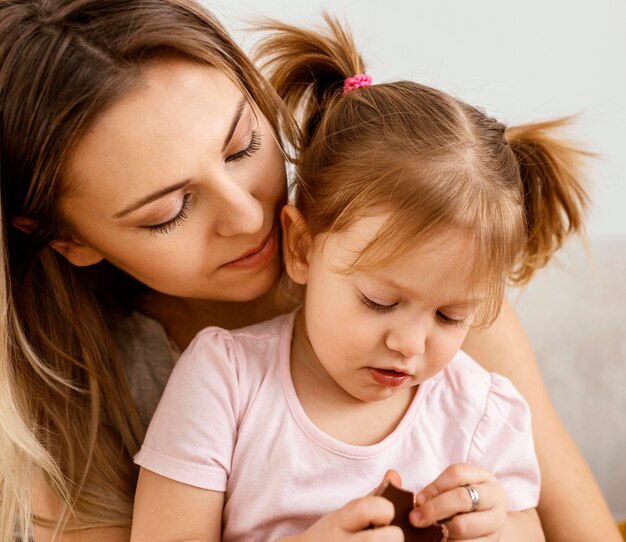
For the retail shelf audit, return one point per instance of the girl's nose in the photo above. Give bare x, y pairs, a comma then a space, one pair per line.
408, 339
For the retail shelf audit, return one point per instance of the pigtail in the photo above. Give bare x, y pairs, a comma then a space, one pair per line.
555, 199
308, 69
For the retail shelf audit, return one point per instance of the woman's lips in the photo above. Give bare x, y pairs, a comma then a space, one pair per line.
259, 256
389, 377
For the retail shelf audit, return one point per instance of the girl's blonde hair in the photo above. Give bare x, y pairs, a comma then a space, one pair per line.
433, 160
66, 413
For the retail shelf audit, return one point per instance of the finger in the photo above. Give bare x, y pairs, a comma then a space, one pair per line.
382, 534
393, 477
390, 476
453, 476
472, 526
364, 512
455, 501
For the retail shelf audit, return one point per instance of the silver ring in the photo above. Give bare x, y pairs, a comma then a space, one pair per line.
473, 493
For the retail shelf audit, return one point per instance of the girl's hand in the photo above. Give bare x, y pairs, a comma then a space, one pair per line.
352, 522
449, 499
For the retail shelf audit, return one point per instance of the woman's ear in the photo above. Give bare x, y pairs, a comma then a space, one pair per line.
71, 249
24, 223
76, 252
296, 244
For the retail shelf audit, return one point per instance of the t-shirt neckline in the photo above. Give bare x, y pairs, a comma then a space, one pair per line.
322, 438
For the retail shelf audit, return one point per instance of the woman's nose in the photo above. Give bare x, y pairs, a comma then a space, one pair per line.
238, 212
408, 339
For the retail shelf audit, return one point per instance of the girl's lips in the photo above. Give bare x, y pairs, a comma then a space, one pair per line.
258, 257
388, 377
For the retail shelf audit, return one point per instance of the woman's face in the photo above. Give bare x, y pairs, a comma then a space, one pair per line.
178, 184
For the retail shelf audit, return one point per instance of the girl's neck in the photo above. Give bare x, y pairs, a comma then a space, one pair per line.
182, 318
332, 409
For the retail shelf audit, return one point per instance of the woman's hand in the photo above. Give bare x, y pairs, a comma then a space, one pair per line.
468, 498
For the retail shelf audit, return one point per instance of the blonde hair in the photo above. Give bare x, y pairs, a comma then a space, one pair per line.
433, 160
65, 409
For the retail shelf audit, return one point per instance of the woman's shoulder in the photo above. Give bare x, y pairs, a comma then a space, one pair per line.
148, 356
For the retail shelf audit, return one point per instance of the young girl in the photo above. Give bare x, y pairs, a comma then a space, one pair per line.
413, 210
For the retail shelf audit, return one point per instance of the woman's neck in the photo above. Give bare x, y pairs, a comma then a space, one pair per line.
182, 318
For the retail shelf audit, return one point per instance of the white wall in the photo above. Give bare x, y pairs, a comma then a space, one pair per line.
521, 61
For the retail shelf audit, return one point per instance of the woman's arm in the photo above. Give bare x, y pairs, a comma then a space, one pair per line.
108, 534
571, 506
46, 504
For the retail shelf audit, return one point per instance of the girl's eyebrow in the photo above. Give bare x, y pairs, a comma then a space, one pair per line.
172, 188
468, 302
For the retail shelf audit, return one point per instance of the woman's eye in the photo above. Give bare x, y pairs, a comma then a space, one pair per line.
376, 306
253, 146
450, 321
169, 225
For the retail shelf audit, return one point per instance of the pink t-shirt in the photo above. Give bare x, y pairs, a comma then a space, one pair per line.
230, 420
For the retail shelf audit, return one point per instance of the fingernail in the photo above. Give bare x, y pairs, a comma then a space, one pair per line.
415, 517
420, 499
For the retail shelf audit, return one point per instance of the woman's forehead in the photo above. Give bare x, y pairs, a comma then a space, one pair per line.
181, 112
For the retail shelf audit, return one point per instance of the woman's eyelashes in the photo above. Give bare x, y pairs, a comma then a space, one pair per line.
253, 146
169, 225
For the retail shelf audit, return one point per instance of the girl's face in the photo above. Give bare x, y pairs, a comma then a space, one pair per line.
178, 184
375, 334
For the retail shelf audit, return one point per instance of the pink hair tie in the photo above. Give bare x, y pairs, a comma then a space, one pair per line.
356, 81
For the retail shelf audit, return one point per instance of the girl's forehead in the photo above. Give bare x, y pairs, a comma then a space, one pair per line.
371, 234
439, 269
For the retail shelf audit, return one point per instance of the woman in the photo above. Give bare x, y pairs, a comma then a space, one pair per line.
141, 175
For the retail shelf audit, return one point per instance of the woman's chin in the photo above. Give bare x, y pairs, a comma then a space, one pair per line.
252, 288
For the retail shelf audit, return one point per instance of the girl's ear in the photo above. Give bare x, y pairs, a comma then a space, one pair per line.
71, 249
296, 244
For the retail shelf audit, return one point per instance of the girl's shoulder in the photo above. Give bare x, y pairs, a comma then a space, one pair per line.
477, 393
252, 349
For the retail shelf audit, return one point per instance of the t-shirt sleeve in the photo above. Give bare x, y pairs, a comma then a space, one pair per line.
503, 444
192, 435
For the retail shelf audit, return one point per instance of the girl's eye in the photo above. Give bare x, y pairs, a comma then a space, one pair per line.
166, 227
253, 146
450, 321
376, 306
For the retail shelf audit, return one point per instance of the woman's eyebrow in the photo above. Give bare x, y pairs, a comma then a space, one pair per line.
233, 124
172, 188
150, 198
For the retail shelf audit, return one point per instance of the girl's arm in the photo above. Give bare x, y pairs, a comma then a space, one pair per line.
169, 511
166, 510
571, 506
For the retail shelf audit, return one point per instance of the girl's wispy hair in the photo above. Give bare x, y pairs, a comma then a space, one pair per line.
428, 159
